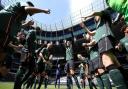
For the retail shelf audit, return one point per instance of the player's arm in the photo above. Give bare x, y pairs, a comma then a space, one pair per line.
92, 14
80, 65
86, 69
42, 57
118, 47
72, 36
64, 43
14, 46
28, 23
91, 33
50, 57
34, 10
92, 43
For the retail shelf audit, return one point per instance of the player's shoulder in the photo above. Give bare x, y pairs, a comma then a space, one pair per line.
43, 49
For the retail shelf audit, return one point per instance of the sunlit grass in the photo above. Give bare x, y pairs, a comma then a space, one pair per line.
9, 85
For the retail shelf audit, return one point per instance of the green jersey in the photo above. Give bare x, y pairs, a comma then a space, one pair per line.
69, 53
120, 6
85, 61
31, 36
30, 41
124, 42
45, 52
103, 28
82, 71
94, 53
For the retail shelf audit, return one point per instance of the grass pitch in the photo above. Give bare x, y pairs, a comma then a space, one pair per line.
9, 85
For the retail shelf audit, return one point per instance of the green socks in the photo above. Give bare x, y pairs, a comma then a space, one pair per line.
100, 82
45, 83
69, 82
76, 81
106, 81
40, 82
117, 79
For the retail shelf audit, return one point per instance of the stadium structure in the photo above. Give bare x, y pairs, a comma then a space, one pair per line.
58, 32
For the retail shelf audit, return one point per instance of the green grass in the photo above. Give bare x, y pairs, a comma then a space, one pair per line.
6, 85
9, 85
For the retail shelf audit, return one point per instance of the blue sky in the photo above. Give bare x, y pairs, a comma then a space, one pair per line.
59, 9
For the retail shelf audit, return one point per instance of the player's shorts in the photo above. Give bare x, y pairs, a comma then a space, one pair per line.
82, 75
40, 66
105, 44
69, 65
47, 67
95, 64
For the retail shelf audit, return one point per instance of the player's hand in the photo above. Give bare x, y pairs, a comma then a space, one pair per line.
82, 25
50, 58
117, 47
48, 11
20, 46
84, 45
31, 22
64, 41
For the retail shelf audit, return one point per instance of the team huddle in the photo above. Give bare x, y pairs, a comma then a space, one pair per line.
35, 64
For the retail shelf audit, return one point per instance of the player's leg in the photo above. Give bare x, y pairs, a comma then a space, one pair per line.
71, 64
19, 75
104, 78
110, 62
69, 78
41, 80
46, 81
106, 81
90, 84
99, 82
84, 83
56, 81
30, 80
59, 82
118, 80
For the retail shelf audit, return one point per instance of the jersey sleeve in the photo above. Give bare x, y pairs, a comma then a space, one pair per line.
42, 51
106, 16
